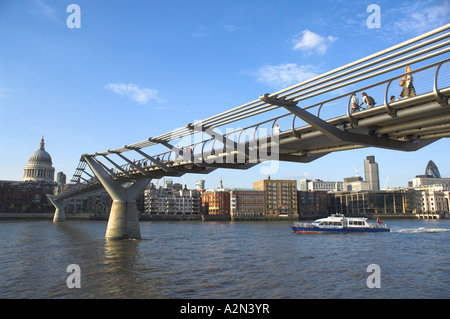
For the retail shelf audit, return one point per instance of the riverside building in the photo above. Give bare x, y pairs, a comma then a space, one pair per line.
280, 198
247, 204
215, 202
171, 201
434, 201
401, 202
434, 192
313, 204
25, 197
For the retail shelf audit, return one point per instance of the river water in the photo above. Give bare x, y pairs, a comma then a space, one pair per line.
196, 260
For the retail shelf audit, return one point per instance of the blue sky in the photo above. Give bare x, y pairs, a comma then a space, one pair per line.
137, 69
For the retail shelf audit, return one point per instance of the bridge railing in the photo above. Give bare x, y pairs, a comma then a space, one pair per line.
426, 79
385, 67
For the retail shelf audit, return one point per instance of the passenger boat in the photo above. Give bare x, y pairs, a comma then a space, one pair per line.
338, 223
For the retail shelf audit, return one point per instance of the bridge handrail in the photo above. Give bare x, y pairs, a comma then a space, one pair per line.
340, 86
273, 120
279, 93
367, 68
257, 107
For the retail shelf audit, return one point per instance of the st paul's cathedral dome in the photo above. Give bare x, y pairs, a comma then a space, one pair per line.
39, 167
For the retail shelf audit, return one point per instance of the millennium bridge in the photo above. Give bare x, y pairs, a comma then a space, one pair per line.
298, 124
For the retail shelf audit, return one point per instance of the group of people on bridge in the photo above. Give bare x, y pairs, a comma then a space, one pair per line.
408, 91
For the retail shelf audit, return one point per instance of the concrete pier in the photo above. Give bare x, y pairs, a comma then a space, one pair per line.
60, 208
123, 220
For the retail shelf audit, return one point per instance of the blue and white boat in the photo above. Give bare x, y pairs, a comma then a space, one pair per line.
340, 224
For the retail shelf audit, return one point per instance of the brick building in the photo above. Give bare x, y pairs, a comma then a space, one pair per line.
280, 198
247, 204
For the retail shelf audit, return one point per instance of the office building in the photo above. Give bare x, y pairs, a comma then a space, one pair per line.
355, 184
371, 174
320, 185
366, 203
200, 184
215, 202
280, 198
247, 204
434, 201
172, 201
313, 204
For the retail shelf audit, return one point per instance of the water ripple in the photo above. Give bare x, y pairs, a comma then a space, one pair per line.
223, 260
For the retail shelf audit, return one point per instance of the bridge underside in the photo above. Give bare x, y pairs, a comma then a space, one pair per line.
418, 122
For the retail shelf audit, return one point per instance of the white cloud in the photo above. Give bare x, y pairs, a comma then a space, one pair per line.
310, 42
420, 17
284, 75
135, 93
201, 32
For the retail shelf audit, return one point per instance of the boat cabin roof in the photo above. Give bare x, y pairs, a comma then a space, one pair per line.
339, 217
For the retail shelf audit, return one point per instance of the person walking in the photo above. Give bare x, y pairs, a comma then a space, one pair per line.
407, 84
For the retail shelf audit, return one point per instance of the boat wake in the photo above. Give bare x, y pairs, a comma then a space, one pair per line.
422, 230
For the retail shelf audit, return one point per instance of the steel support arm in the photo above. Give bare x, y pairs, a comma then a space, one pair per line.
331, 131
140, 169
222, 138
152, 159
187, 157
116, 165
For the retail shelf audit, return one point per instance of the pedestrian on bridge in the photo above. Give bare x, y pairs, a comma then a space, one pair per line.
276, 129
355, 103
370, 102
407, 83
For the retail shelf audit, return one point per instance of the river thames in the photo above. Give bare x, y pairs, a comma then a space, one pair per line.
218, 260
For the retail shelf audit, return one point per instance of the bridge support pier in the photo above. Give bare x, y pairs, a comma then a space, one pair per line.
123, 220
60, 208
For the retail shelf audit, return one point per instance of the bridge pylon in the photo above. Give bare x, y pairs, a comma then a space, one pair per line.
123, 220
60, 208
